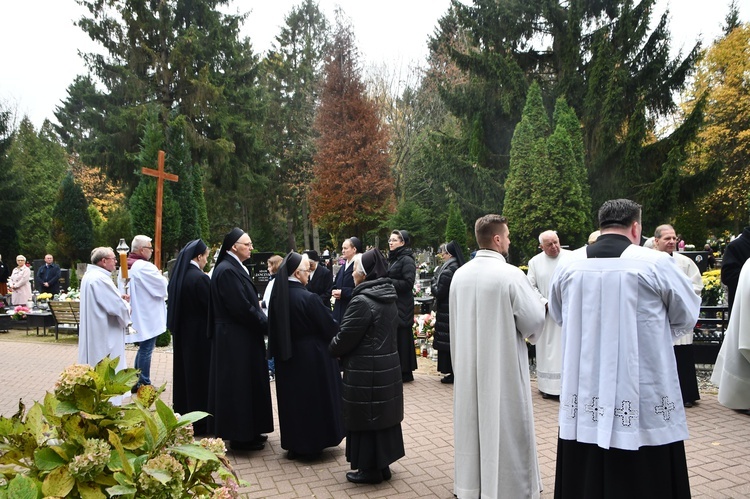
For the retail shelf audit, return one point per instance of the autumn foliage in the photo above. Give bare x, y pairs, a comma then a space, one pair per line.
352, 191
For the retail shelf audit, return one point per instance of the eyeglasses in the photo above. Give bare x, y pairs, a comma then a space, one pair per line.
394, 240
245, 244
304, 270
149, 248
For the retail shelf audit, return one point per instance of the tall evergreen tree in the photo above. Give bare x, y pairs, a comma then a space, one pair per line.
352, 192
455, 228
72, 230
11, 192
180, 161
294, 76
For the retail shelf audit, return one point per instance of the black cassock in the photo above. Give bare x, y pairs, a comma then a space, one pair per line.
192, 348
239, 393
321, 284
308, 385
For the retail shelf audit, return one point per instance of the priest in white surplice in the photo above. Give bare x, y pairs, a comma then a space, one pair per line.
622, 423
104, 312
549, 346
148, 294
493, 311
732, 369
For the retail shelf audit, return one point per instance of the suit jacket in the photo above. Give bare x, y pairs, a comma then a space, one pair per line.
50, 275
344, 282
322, 284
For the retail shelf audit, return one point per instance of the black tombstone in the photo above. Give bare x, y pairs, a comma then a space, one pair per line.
64, 279
258, 266
699, 257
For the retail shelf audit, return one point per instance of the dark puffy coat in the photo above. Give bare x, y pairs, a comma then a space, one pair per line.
441, 286
402, 269
373, 391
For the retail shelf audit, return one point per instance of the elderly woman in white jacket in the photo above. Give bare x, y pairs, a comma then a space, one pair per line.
19, 282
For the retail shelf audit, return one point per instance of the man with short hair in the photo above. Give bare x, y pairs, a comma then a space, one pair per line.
105, 313
148, 295
321, 279
493, 311
665, 239
48, 276
549, 345
622, 423
239, 392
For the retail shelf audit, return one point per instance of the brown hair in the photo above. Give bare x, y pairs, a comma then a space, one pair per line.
273, 264
487, 226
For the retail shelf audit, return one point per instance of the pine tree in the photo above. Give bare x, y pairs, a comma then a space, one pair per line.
11, 192
455, 228
72, 230
352, 192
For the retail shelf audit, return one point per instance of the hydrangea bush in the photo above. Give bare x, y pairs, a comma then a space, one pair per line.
77, 443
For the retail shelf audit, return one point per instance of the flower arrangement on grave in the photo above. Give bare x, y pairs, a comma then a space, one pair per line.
417, 290
43, 297
19, 313
76, 443
424, 326
72, 294
713, 290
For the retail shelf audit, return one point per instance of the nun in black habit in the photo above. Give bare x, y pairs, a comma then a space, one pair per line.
239, 393
441, 285
187, 319
308, 379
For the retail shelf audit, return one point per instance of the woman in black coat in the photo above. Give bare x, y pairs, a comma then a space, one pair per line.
373, 390
441, 285
187, 320
308, 379
402, 270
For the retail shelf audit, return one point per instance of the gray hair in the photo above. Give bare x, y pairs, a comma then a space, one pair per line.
358, 267
660, 229
100, 253
443, 248
546, 233
21, 257
139, 242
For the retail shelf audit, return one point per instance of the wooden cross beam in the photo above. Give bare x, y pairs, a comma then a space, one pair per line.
160, 175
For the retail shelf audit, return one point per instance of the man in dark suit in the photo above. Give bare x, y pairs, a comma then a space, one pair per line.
48, 277
321, 279
239, 393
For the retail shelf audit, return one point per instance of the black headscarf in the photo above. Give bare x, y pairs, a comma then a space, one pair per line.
455, 251
229, 240
279, 329
406, 237
176, 278
312, 255
374, 264
356, 243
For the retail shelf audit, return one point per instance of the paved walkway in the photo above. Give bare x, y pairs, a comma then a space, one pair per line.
718, 451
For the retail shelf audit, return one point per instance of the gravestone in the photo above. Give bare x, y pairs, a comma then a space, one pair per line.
258, 265
64, 279
699, 257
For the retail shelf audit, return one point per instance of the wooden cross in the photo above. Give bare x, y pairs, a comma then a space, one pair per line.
160, 175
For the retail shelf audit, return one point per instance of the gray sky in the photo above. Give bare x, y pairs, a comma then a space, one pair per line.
39, 56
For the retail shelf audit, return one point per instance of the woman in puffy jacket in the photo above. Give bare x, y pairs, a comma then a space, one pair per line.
441, 285
373, 393
402, 269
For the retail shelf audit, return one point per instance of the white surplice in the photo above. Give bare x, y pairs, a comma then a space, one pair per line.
619, 317
148, 294
732, 370
104, 317
493, 310
690, 269
549, 345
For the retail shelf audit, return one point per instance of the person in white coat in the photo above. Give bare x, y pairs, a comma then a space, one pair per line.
105, 313
148, 295
493, 311
549, 346
622, 423
732, 370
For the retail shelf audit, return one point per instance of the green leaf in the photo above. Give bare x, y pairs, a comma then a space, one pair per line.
166, 414
23, 487
47, 459
191, 417
133, 439
194, 451
160, 475
58, 483
90, 490
65, 407
123, 479
115, 441
121, 490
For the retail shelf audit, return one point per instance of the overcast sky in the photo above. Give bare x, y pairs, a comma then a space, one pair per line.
39, 44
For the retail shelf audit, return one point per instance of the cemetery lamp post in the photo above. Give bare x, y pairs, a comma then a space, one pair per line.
122, 250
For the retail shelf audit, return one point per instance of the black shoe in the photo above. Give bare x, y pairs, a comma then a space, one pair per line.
365, 476
386, 472
236, 445
407, 377
448, 380
260, 438
688, 404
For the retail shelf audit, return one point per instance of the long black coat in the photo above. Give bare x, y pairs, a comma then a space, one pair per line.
50, 275
192, 347
441, 291
735, 255
402, 270
322, 284
239, 394
344, 282
366, 342
308, 385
